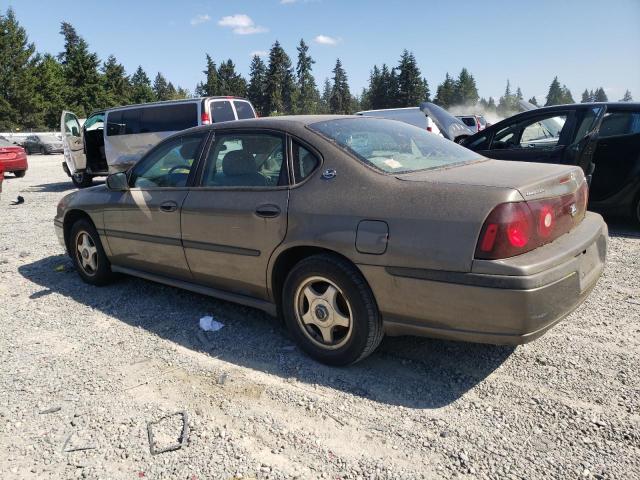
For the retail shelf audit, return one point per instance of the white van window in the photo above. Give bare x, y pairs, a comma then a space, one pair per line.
221, 111
244, 110
160, 118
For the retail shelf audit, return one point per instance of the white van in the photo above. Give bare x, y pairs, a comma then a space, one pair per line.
91, 150
411, 115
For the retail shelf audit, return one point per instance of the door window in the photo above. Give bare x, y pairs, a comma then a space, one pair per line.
71, 126
304, 162
246, 160
543, 133
221, 111
169, 164
620, 123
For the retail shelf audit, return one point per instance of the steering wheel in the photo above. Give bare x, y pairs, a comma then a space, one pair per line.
179, 167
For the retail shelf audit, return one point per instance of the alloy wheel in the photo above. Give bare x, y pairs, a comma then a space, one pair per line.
86, 253
323, 313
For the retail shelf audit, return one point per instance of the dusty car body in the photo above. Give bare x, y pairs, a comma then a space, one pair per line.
602, 138
350, 227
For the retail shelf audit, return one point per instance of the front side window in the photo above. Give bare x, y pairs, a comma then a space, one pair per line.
221, 111
169, 164
94, 122
244, 110
543, 133
246, 160
392, 147
620, 123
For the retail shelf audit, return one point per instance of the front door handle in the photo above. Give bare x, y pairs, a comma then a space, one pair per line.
169, 206
268, 211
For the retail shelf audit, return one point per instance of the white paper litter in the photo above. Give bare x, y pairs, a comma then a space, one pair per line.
208, 324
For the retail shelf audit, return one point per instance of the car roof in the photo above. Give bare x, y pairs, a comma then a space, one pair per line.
169, 102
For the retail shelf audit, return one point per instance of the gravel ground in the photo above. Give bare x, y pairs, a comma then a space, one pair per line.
85, 369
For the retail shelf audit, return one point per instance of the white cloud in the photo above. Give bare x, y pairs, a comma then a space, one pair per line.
200, 18
260, 53
326, 40
241, 24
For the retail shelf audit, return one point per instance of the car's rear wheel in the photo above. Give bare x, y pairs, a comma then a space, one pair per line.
20, 173
331, 311
81, 179
88, 255
43, 150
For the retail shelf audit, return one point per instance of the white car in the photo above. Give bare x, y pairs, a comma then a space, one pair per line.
411, 115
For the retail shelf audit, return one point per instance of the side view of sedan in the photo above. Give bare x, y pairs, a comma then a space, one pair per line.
348, 227
44, 144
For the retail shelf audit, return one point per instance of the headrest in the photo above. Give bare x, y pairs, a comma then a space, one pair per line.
238, 162
307, 163
188, 150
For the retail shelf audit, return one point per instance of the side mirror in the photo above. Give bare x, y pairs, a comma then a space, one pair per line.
118, 182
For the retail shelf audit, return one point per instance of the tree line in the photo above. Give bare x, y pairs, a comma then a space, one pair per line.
35, 87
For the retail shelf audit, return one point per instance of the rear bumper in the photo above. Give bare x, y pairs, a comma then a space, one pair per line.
494, 308
15, 165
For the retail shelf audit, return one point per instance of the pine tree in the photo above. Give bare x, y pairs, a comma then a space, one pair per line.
491, 105
211, 86
555, 95
627, 97
412, 88
50, 86
308, 95
161, 88
19, 105
325, 99
566, 95
340, 101
182, 93
280, 88
85, 90
519, 95
231, 82
465, 91
257, 84
533, 101
586, 98
117, 87
600, 95
141, 91
445, 94
508, 103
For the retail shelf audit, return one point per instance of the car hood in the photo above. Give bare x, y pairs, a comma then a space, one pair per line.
531, 180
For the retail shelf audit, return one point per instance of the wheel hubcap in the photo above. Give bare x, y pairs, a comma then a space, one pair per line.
323, 313
87, 253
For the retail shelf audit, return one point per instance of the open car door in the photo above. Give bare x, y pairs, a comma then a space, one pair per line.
72, 142
452, 128
581, 151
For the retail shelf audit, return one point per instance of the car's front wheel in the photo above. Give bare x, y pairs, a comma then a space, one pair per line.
331, 311
81, 179
88, 255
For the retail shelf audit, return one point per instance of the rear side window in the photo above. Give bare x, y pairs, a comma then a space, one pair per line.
244, 110
620, 123
169, 118
304, 162
222, 111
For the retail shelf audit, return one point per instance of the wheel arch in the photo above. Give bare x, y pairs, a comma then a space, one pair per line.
71, 217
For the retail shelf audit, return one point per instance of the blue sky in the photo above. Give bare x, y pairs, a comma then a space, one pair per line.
586, 43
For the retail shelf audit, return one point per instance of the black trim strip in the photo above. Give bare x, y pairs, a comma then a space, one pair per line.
144, 238
58, 223
212, 247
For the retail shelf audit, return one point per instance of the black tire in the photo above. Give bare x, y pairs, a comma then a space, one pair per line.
27, 150
365, 330
43, 151
82, 180
101, 273
636, 212
20, 173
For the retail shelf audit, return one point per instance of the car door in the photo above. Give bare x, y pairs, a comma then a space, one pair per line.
142, 224
617, 156
539, 138
236, 216
72, 142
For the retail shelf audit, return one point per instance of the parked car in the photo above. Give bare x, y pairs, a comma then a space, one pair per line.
91, 150
450, 127
352, 227
44, 144
411, 115
602, 138
13, 159
476, 123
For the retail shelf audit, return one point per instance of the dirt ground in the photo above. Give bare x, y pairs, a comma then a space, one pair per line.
83, 370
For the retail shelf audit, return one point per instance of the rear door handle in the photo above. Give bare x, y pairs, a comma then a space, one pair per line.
169, 206
268, 211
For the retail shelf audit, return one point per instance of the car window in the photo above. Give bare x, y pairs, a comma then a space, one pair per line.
542, 133
620, 123
94, 122
123, 122
304, 162
246, 160
469, 121
392, 147
244, 110
168, 118
221, 111
478, 144
169, 164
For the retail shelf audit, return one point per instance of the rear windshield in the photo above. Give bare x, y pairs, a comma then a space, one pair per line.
222, 111
244, 110
393, 147
469, 121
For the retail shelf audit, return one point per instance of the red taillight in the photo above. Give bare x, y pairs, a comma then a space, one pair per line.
518, 227
478, 124
206, 119
429, 129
